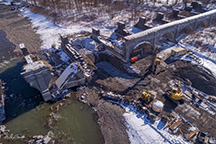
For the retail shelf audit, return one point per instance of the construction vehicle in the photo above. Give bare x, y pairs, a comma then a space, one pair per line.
156, 61
147, 97
175, 94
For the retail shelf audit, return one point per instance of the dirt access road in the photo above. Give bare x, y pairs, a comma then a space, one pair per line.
15, 29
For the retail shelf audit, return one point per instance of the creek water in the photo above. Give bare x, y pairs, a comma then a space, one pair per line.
27, 115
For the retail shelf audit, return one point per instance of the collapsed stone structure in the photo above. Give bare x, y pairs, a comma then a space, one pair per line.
72, 76
38, 75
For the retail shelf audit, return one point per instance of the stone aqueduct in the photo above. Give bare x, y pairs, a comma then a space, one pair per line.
169, 31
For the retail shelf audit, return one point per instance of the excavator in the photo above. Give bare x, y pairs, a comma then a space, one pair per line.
176, 94
146, 96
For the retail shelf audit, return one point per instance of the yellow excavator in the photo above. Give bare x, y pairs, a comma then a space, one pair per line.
146, 96
175, 94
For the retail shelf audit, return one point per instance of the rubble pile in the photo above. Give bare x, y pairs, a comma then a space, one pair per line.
3, 130
112, 96
40, 139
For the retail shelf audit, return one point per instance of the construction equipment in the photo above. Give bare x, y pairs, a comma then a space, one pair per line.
157, 61
176, 93
178, 52
154, 58
146, 96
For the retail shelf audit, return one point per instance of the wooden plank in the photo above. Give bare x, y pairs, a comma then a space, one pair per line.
175, 125
192, 134
170, 122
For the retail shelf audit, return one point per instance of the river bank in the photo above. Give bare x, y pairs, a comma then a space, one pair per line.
110, 116
17, 30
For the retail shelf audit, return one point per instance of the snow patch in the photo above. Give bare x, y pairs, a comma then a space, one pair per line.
50, 32
141, 131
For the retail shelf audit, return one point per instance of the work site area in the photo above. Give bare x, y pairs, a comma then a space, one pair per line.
149, 81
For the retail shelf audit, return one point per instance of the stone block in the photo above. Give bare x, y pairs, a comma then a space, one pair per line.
121, 25
141, 23
142, 20
95, 34
175, 13
159, 17
121, 29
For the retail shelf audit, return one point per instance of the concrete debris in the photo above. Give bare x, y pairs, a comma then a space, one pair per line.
2, 128
112, 96
47, 139
73, 75
40, 139
38, 75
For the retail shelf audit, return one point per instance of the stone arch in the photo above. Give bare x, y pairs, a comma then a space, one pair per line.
187, 29
168, 36
142, 49
202, 24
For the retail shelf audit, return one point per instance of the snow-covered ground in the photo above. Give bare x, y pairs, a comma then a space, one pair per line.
49, 32
141, 131
203, 45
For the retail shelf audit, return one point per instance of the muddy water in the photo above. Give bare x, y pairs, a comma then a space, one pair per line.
27, 115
